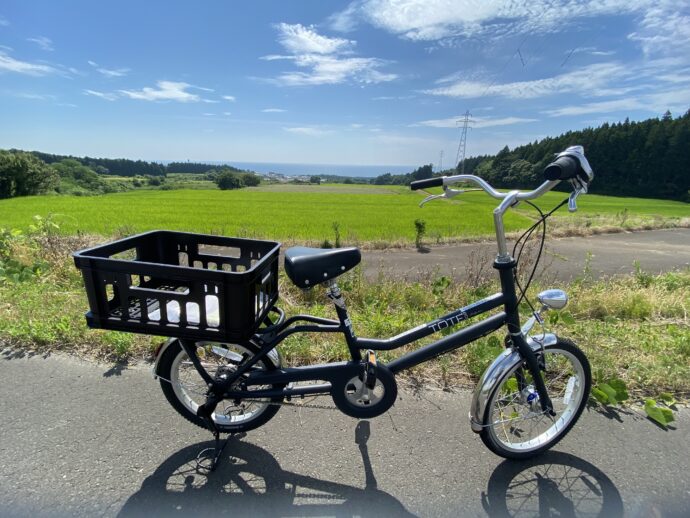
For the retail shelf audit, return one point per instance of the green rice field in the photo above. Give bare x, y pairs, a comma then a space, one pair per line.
304, 213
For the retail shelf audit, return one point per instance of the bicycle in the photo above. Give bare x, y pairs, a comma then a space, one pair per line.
216, 297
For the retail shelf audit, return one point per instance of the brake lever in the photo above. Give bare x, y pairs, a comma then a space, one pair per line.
447, 193
578, 188
431, 197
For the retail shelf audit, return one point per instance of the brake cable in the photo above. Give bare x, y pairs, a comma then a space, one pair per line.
522, 241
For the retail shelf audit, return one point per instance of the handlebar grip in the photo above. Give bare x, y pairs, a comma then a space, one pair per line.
563, 168
428, 182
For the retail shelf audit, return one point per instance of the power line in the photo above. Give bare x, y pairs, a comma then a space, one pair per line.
568, 57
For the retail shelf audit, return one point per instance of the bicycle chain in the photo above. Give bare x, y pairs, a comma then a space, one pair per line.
275, 403
293, 404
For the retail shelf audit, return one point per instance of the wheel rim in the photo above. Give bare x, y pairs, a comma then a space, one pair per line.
515, 418
190, 388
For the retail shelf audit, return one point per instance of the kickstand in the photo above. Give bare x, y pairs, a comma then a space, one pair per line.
205, 412
217, 448
217, 451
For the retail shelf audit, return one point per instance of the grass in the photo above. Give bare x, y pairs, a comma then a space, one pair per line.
635, 328
304, 216
379, 216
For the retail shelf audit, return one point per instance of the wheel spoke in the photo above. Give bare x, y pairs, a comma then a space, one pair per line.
518, 425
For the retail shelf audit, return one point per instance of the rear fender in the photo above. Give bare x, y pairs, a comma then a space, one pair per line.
506, 361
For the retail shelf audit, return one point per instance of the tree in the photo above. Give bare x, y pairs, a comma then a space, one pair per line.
250, 179
23, 174
76, 177
315, 179
424, 172
227, 180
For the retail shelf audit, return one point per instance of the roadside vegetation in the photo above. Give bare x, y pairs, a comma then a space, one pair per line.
634, 329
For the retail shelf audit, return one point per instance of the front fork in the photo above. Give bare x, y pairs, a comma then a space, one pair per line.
535, 369
516, 337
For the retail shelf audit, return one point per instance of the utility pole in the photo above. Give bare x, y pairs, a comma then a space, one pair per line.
460, 158
440, 161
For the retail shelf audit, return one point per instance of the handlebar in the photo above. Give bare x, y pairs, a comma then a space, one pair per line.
571, 164
428, 182
563, 168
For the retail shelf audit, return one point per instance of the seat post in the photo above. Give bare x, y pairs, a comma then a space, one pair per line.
336, 296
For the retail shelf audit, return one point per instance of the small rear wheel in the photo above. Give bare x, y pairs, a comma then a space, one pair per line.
515, 426
185, 389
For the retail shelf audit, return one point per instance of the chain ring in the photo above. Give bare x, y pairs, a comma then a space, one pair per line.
352, 398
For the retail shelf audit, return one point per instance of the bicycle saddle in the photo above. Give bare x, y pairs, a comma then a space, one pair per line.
308, 267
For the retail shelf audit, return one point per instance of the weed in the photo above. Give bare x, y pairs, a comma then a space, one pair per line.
420, 230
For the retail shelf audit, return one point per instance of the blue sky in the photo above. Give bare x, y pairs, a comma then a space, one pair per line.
363, 82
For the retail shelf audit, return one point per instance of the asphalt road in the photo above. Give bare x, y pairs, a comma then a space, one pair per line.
82, 439
565, 258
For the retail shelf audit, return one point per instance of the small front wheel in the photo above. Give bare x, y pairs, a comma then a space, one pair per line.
515, 426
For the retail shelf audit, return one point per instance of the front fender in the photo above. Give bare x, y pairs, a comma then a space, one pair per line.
500, 366
273, 355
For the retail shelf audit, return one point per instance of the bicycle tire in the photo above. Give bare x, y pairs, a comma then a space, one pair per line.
184, 405
573, 398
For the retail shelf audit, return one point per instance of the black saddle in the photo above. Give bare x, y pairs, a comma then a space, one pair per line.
308, 267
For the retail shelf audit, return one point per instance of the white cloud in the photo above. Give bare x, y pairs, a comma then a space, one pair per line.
118, 72
676, 100
346, 20
107, 72
393, 98
589, 80
437, 19
9, 64
333, 70
209, 114
4, 22
664, 28
43, 42
273, 110
35, 97
323, 60
227, 114
477, 122
230, 98
210, 101
165, 91
102, 95
308, 131
599, 107
275, 57
299, 39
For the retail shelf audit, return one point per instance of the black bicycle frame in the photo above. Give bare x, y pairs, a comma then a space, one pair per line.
343, 371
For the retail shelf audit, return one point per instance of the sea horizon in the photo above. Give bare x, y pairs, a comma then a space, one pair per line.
291, 169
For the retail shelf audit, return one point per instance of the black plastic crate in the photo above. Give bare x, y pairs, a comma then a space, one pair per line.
191, 286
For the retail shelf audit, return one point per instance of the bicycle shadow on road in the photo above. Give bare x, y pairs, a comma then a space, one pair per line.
250, 482
553, 484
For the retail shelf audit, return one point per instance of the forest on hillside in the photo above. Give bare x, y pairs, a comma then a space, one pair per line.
648, 159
